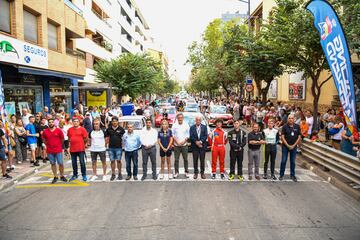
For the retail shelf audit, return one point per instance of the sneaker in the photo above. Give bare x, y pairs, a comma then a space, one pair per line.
154, 177
186, 175
213, 176
128, 178
112, 177
265, 176
176, 175
32, 162
62, 178
119, 177
135, 178
281, 178
104, 178
19, 162
36, 164
54, 180
73, 178
85, 178
273, 177
12, 167
161, 176
293, 178
7, 176
171, 176
241, 178
250, 178
143, 177
222, 176
231, 177
93, 178
8, 170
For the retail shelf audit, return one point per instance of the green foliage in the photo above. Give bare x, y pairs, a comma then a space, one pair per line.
211, 66
131, 74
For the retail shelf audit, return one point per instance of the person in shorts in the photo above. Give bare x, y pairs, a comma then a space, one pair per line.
165, 141
53, 139
3, 151
97, 148
114, 135
32, 139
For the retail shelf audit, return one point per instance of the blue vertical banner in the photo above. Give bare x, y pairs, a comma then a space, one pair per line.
335, 47
2, 99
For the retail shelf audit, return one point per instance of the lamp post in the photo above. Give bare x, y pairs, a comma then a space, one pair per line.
248, 13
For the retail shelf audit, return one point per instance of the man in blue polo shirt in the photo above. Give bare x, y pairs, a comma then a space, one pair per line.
32, 139
131, 142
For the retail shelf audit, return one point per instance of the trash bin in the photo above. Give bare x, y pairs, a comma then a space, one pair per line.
127, 109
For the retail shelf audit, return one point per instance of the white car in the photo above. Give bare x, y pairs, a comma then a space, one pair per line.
139, 122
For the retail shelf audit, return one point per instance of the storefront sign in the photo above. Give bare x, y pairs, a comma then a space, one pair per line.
297, 86
96, 98
23, 53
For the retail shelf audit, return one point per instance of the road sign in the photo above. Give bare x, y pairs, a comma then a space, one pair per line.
249, 87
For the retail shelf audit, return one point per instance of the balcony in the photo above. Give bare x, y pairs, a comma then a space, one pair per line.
73, 7
94, 48
75, 53
101, 18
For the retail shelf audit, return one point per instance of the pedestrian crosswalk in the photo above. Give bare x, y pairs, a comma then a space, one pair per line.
45, 177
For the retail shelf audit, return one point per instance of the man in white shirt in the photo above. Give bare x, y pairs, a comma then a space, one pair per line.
96, 142
181, 133
25, 116
148, 139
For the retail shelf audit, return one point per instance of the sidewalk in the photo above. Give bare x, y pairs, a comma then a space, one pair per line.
21, 171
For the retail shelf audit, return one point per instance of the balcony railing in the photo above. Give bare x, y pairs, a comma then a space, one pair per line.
73, 7
75, 53
101, 18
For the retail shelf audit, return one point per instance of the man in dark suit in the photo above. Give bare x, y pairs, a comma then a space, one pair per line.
198, 137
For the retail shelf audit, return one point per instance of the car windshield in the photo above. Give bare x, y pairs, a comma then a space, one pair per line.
167, 110
191, 105
190, 120
137, 124
218, 109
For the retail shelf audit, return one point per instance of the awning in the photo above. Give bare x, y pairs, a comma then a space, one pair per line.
94, 86
42, 72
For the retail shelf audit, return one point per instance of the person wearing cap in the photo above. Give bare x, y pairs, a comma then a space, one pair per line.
218, 142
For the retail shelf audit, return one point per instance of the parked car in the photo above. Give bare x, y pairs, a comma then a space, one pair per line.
218, 111
169, 111
191, 107
138, 121
189, 118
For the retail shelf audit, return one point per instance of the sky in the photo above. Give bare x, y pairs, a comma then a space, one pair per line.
175, 24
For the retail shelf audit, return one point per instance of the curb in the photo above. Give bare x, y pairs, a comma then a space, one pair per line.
22, 176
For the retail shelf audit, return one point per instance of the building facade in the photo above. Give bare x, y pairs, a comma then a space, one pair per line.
112, 27
39, 63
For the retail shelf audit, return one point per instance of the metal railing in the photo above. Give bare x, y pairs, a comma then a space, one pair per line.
73, 7
341, 163
75, 53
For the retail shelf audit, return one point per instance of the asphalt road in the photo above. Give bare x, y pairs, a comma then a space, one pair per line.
178, 209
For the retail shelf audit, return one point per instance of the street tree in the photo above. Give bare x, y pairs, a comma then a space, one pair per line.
292, 33
131, 74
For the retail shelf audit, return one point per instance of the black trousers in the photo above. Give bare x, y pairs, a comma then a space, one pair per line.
270, 154
199, 153
236, 157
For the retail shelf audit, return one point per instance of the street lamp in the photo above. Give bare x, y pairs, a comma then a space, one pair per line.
248, 13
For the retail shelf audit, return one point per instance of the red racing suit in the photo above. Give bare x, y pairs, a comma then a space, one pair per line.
218, 142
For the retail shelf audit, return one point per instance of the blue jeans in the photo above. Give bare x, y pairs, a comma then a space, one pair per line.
134, 157
81, 156
285, 151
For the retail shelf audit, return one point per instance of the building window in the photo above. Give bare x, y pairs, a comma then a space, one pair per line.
5, 16
30, 27
53, 36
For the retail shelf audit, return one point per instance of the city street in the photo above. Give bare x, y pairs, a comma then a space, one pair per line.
178, 209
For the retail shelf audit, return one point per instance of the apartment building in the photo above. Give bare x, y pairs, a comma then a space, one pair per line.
112, 27
293, 88
39, 63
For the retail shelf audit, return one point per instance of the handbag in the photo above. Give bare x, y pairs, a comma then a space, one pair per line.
12, 142
333, 131
22, 140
